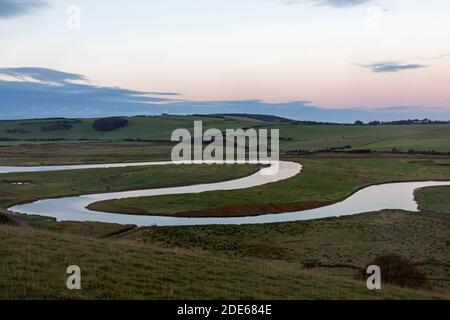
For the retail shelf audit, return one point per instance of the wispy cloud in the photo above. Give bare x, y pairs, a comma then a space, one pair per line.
436, 57
41, 75
392, 66
40, 93
45, 90
13, 8
331, 3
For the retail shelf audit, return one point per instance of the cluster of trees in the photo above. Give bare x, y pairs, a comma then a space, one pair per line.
371, 123
17, 130
53, 139
56, 127
326, 150
109, 124
46, 125
348, 149
402, 122
157, 141
48, 122
425, 152
315, 123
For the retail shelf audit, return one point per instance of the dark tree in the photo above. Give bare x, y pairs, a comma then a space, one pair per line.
109, 124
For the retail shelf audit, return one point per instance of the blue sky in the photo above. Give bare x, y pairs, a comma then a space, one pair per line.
331, 53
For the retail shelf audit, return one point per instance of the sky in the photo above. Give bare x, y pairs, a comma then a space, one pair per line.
329, 53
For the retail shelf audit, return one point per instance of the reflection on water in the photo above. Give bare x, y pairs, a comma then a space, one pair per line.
388, 196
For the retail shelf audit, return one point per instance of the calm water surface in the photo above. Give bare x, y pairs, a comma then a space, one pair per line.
387, 196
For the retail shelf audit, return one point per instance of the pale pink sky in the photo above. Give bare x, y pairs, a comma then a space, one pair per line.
253, 49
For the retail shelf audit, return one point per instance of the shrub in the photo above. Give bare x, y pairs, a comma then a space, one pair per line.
109, 124
399, 271
6, 219
57, 127
17, 130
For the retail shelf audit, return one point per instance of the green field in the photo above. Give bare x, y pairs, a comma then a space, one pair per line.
148, 128
59, 153
319, 259
37, 260
323, 180
431, 200
383, 138
293, 137
301, 260
56, 184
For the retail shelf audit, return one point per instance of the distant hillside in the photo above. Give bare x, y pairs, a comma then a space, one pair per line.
131, 128
405, 136
262, 117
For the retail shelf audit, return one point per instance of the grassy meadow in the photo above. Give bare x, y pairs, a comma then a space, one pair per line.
325, 179
42, 185
60, 153
319, 259
33, 264
298, 260
147, 128
293, 137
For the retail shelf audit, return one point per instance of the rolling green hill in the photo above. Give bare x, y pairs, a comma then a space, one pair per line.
146, 128
293, 136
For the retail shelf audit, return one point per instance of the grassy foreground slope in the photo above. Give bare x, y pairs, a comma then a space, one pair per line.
337, 246
33, 265
300, 260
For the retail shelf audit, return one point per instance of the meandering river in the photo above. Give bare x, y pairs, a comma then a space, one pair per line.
387, 196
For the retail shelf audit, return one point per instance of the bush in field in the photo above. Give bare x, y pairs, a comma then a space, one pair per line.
17, 130
57, 127
6, 219
399, 271
109, 124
